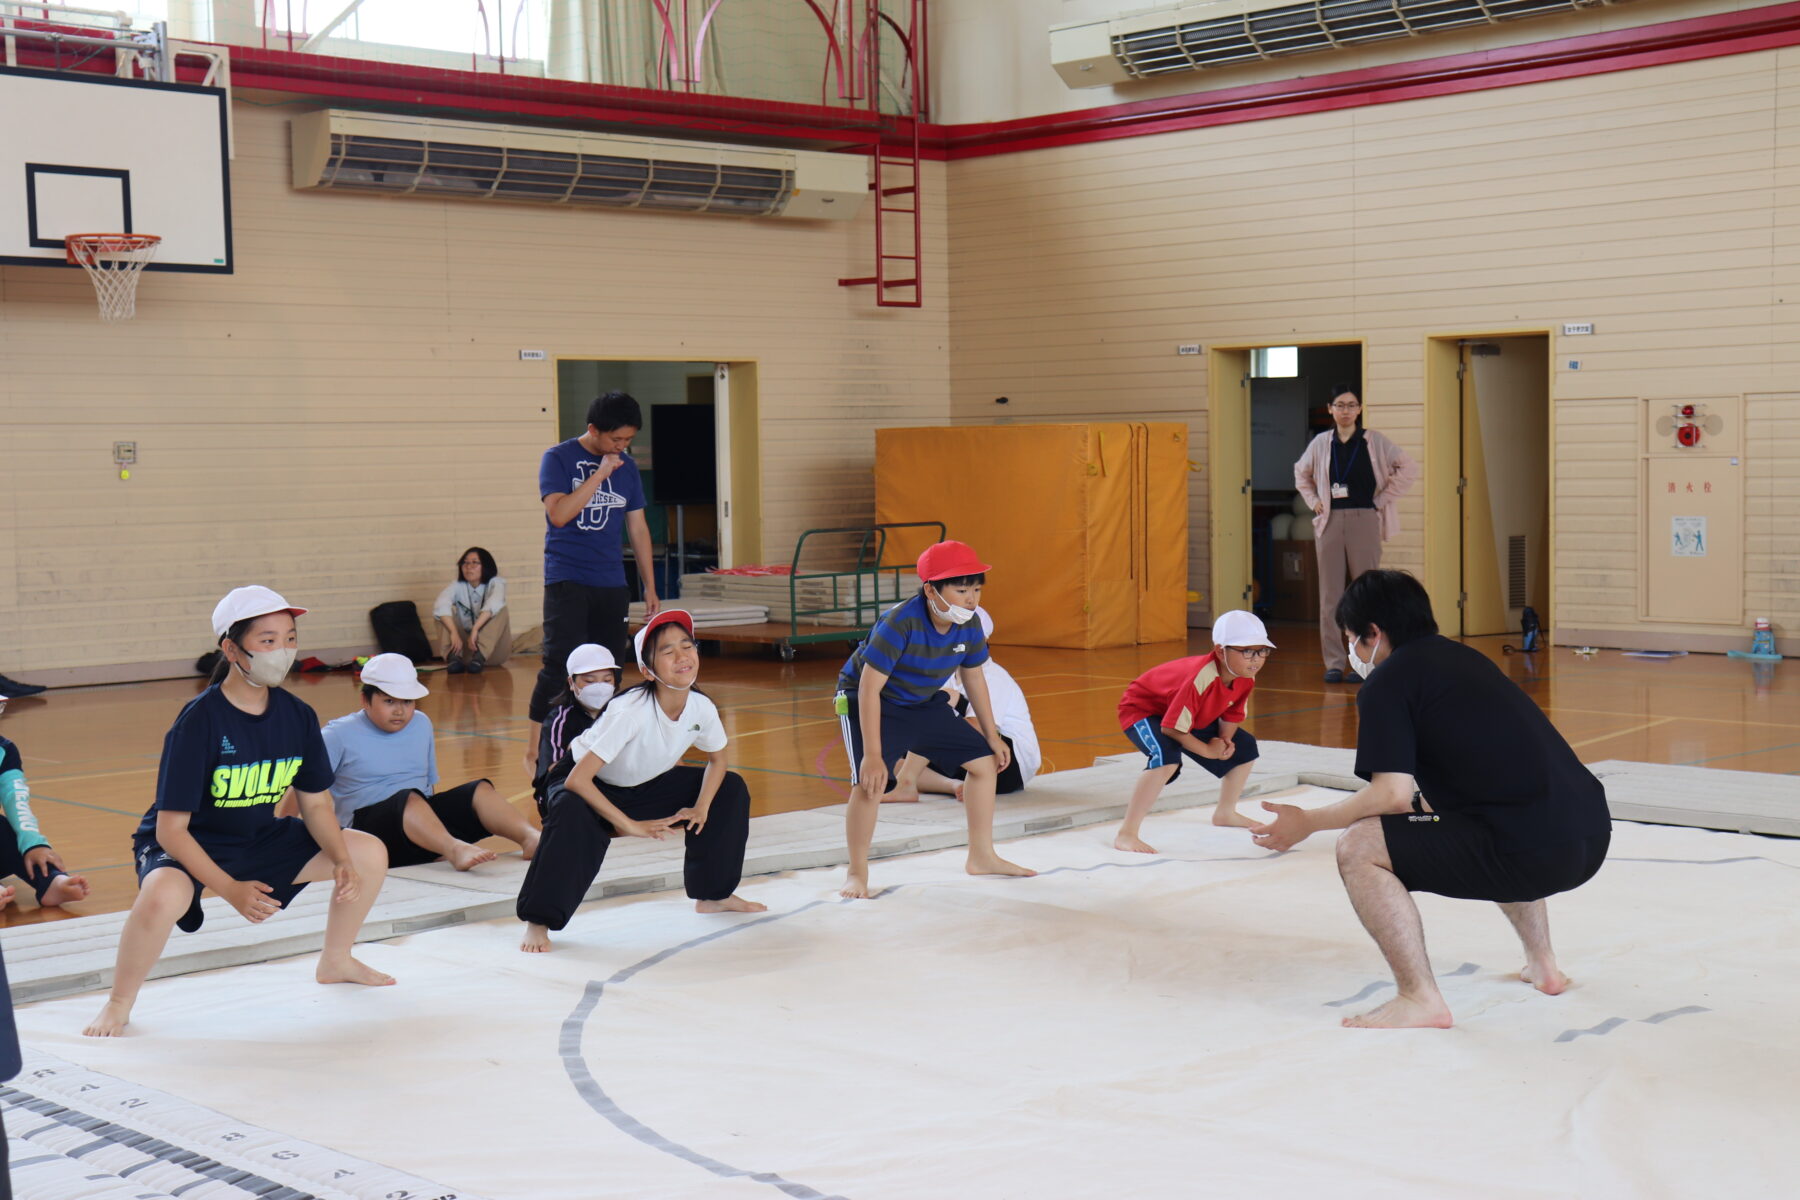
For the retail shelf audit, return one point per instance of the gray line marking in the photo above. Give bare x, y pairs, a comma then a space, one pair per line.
1710, 862
1683, 1011
1601, 1030
1467, 968
588, 1088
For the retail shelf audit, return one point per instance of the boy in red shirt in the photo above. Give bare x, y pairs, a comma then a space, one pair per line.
1194, 706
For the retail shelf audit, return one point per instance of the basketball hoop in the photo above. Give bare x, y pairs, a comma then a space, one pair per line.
113, 261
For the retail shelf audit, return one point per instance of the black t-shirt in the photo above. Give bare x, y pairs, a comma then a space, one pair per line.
1350, 465
1475, 742
10, 760
565, 723
230, 768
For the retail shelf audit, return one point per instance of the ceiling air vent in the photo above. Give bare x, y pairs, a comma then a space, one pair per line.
1198, 37
348, 151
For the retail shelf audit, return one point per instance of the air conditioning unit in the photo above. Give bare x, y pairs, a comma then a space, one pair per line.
1198, 36
401, 155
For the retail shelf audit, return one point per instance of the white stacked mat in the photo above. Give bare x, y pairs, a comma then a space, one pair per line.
773, 592
711, 614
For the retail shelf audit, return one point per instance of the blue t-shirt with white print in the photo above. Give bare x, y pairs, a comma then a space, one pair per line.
590, 549
230, 768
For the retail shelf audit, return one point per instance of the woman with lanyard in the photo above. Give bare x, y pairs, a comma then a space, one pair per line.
227, 762
472, 610
1352, 479
628, 781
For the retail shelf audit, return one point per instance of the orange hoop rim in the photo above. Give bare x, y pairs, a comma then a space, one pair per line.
84, 248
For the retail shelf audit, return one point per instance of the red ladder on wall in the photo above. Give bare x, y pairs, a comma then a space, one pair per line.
899, 243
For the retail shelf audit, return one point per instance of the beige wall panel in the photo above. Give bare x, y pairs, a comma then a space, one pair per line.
348, 412
1645, 201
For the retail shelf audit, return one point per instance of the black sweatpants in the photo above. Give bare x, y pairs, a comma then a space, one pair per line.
13, 863
575, 613
575, 839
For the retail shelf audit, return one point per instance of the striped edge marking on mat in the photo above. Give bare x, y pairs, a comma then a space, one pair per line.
77, 1134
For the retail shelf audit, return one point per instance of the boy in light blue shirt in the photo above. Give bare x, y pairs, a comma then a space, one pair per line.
385, 759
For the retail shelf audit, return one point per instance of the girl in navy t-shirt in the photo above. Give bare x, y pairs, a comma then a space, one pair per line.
227, 762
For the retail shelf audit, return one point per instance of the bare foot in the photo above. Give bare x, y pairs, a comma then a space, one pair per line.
348, 970
111, 1022
729, 904
528, 847
1133, 843
856, 887
65, 889
958, 793
1403, 1012
462, 856
6, 895
1228, 816
901, 795
536, 939
993, 864
1546, 979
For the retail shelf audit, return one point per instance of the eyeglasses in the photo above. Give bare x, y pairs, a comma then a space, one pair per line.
1254, 653
1346, 407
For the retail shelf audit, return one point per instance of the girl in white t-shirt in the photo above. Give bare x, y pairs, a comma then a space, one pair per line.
628, 781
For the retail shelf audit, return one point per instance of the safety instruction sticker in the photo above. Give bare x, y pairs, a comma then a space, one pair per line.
1687, 537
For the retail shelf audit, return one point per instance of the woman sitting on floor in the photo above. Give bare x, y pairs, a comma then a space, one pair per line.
472, 610
628, 781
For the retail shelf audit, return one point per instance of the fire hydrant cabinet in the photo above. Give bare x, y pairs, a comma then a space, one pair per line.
1693, 511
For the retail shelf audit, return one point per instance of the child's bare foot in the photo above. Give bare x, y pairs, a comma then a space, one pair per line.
462, 856
729, 904
1228, 816
902, 794
993, 864
1133, 843
536, 939
348, 970
114, 1016
528, 847
1545, 978
856, 887
958, 793
65, 889
6, 895
1403, 1012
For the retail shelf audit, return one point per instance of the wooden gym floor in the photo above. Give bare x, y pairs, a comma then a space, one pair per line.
91, 753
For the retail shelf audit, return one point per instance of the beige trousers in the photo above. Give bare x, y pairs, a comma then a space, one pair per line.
493, 643
1350, 545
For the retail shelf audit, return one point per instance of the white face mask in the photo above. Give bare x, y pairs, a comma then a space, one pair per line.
953, 613
1358, 665
268, 667
595, 695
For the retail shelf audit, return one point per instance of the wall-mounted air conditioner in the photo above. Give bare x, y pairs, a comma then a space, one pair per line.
1220, 34
402, 155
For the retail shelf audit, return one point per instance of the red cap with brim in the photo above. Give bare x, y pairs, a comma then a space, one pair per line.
668, 616
949, 560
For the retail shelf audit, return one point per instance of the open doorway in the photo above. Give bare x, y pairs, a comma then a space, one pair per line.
1488, 410
1268, 403
696, 451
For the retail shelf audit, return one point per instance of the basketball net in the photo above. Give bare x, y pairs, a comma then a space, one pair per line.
113, 261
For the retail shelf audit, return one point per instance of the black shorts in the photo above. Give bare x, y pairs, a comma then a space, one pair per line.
1160, 749
931, 730
1010, 780
1455, 854
278, 854
455, 807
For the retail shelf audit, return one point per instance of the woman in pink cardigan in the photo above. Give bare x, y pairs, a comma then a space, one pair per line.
1351, 478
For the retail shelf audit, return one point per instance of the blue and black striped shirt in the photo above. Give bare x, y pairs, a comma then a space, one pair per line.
917, 659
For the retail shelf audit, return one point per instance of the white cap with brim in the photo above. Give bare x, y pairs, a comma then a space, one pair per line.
395, 675
590, 657
1240, 628
240, 604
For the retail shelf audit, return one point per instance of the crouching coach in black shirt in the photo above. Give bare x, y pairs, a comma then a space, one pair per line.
1472, 794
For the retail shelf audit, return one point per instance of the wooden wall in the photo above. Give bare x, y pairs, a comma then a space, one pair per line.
346, 413
1654, 203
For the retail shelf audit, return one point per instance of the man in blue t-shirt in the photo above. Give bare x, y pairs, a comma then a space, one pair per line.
591, 492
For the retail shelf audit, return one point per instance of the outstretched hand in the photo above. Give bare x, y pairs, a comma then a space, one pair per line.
1287, 830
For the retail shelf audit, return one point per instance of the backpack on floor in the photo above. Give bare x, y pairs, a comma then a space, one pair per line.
397, 630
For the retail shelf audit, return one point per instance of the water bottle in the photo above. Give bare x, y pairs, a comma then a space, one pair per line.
1762, 641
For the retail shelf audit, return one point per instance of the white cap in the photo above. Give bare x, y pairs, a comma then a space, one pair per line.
1240, 628
590, 657
987, 622
240, 604
395, 675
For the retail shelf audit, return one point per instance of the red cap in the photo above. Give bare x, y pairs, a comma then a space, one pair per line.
949, 560
668, 616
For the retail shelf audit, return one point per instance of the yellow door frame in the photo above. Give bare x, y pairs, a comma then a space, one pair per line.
1443, 455
1228, 462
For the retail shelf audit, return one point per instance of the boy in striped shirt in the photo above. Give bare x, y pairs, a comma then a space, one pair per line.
1194, 707
889, 704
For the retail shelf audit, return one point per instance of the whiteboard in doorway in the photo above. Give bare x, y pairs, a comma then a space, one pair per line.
1277, 431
